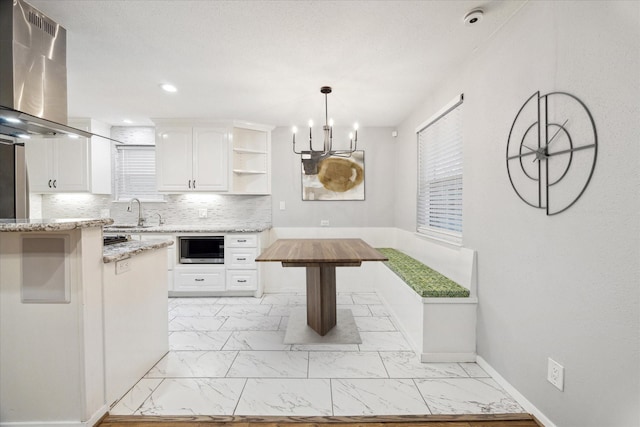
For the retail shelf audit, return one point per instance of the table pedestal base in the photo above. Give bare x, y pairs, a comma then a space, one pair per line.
321, 298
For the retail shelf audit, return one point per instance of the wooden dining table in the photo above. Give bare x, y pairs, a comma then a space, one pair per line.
321, 257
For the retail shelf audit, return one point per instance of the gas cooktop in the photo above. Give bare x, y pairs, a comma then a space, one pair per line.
112, 240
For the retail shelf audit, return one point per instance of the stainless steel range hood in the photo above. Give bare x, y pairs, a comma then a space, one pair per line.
33, 73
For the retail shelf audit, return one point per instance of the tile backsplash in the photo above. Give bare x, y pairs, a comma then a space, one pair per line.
178, 209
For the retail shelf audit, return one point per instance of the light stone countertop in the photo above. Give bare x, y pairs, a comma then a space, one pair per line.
133, 229
51, 224
118, 251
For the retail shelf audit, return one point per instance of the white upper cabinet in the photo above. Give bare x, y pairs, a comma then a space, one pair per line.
61, 165
192, 159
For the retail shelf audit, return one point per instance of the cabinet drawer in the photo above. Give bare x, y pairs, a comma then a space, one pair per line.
241, 241
242, 280
240, 258
199, 279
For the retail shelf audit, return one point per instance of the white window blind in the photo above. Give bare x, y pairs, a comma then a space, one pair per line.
135, 167
440, 175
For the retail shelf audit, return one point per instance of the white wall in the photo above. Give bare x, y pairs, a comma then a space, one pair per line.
375, 211
564, 286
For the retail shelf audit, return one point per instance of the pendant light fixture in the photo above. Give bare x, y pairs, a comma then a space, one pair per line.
311, 157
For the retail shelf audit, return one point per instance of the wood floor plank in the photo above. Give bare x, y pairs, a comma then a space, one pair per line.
497, 420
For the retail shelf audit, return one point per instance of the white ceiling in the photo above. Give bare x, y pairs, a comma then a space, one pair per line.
264, 61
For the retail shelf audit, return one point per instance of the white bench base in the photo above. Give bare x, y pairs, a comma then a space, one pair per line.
438, 329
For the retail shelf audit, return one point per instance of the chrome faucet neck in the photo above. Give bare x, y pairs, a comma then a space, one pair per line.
140, 214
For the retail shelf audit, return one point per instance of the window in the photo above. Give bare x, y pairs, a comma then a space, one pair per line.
135, 175
440, 175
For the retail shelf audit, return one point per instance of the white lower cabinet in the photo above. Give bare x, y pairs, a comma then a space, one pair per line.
239, 275
242, 280
199, 278
240, 258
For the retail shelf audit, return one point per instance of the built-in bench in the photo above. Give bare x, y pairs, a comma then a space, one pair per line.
436, 314
427, 282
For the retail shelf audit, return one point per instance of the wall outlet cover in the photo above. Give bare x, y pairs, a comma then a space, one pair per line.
324, 222
555, 374
202, 213
123, 266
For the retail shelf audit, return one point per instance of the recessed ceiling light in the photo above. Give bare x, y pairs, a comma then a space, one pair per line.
23, 136
127, 121
12, 120
168, 87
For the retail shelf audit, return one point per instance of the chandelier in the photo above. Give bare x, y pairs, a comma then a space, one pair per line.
311, 158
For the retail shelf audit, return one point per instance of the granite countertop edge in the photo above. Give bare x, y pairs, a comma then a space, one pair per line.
26, 225
188, 229
124, 250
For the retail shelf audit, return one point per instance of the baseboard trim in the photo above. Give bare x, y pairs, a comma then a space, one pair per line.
447, 357
523, 401
97, 417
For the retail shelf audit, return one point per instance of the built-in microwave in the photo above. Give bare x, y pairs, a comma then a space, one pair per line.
201, 249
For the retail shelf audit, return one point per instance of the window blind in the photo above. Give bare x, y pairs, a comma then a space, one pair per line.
440, 167
136, 173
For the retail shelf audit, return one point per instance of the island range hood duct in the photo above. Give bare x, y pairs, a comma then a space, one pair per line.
33, 73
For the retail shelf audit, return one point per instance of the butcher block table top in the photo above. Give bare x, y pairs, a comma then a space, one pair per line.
340, 252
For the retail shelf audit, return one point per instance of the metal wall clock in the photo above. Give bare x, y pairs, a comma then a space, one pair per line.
551, 151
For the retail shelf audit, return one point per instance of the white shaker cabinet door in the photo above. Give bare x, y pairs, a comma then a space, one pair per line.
40, 169
210, 159
174, 154
72, 161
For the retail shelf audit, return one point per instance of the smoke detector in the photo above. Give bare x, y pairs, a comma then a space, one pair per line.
473, 17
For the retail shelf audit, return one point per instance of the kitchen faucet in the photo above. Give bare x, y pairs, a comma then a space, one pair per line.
140, 217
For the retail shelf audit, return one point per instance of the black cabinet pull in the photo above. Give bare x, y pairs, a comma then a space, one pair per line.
194, 183
189, 183
49, 183
242, 240
199, 280
242, 280
54, 183
242, 259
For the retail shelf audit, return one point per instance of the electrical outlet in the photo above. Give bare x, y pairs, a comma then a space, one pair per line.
555, 374
324, 222
202, 213
123, 266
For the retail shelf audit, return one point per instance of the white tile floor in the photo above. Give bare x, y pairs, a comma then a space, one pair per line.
227, 357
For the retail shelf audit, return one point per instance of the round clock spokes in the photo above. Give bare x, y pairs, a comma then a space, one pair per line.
551, 151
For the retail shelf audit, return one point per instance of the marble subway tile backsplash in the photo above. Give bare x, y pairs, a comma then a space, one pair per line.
178, 209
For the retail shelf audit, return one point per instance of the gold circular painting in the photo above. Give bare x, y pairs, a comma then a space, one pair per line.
339, 175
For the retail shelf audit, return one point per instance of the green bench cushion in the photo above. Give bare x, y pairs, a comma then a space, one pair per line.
425, 281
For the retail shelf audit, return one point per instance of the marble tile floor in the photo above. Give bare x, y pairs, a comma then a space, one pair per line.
227, 357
